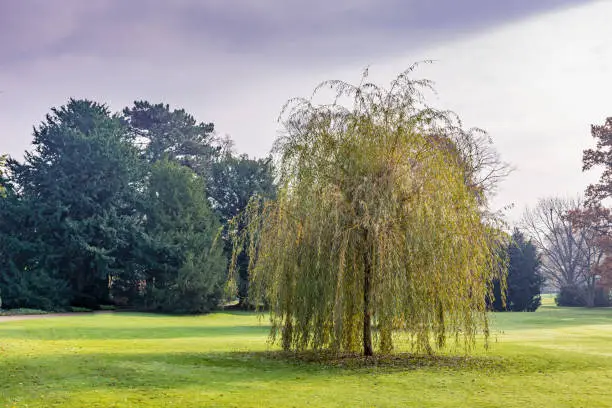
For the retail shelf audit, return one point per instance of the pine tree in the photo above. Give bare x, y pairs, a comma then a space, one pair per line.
524, 280
172, 134
187, 275
79, 185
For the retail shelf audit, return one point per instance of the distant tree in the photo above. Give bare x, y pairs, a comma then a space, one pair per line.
234, 179
600, 156
172, 134
232, 182
596, 217
570, 256
186, 270
77, 193
524, 281
377, 226
596, 222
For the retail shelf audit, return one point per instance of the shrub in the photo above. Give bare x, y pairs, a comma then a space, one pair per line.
602, 297
571, 296
22, 311
85, 301
575, 296
77, 309
33, 289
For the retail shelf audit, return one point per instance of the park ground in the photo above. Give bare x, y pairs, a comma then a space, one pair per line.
555, 357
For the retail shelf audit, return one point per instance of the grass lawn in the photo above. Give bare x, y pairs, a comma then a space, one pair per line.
555, 357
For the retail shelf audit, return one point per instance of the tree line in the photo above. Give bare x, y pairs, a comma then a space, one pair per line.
147, 208
123, 208
574, 234
367, 220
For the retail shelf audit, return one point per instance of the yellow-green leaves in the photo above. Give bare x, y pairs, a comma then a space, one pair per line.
377, 222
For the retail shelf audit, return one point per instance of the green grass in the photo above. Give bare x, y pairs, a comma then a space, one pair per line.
555, 357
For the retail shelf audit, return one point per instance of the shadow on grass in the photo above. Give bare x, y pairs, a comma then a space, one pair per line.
381, 363
224, 371
221, 371
77, 372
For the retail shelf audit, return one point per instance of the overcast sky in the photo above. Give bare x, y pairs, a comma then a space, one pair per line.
534, 73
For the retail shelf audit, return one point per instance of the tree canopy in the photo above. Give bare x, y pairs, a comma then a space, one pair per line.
173, 134
596, 217
179, 218
379, 226
91, 217
601, 156
77, 195
233, 180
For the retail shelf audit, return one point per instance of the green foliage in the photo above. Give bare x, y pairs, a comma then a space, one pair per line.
232, 182
377, 225
77, 193
33, 289
25, 281
187, 276
235, 179
172, 134
77, 309
524, 280
94, 216
22, 312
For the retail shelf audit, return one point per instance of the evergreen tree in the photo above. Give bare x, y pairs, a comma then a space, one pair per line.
25, 280
186, 270
172, 134
78, 188
524, 280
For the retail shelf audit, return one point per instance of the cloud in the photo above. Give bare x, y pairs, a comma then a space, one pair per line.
288, 32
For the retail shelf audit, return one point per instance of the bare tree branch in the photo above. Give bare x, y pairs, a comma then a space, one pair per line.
570, 253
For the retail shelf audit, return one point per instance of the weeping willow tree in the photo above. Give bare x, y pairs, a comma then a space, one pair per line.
380, 226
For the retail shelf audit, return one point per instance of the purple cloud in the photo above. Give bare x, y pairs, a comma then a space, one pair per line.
290, 31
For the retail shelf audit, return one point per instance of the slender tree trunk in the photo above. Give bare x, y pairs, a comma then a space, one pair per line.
367, 319
287, 334
590, 293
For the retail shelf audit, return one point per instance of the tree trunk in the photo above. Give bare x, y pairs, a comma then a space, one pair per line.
590, 294
287, 333
367, 319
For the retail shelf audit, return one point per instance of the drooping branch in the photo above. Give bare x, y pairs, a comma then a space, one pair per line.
378, 227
